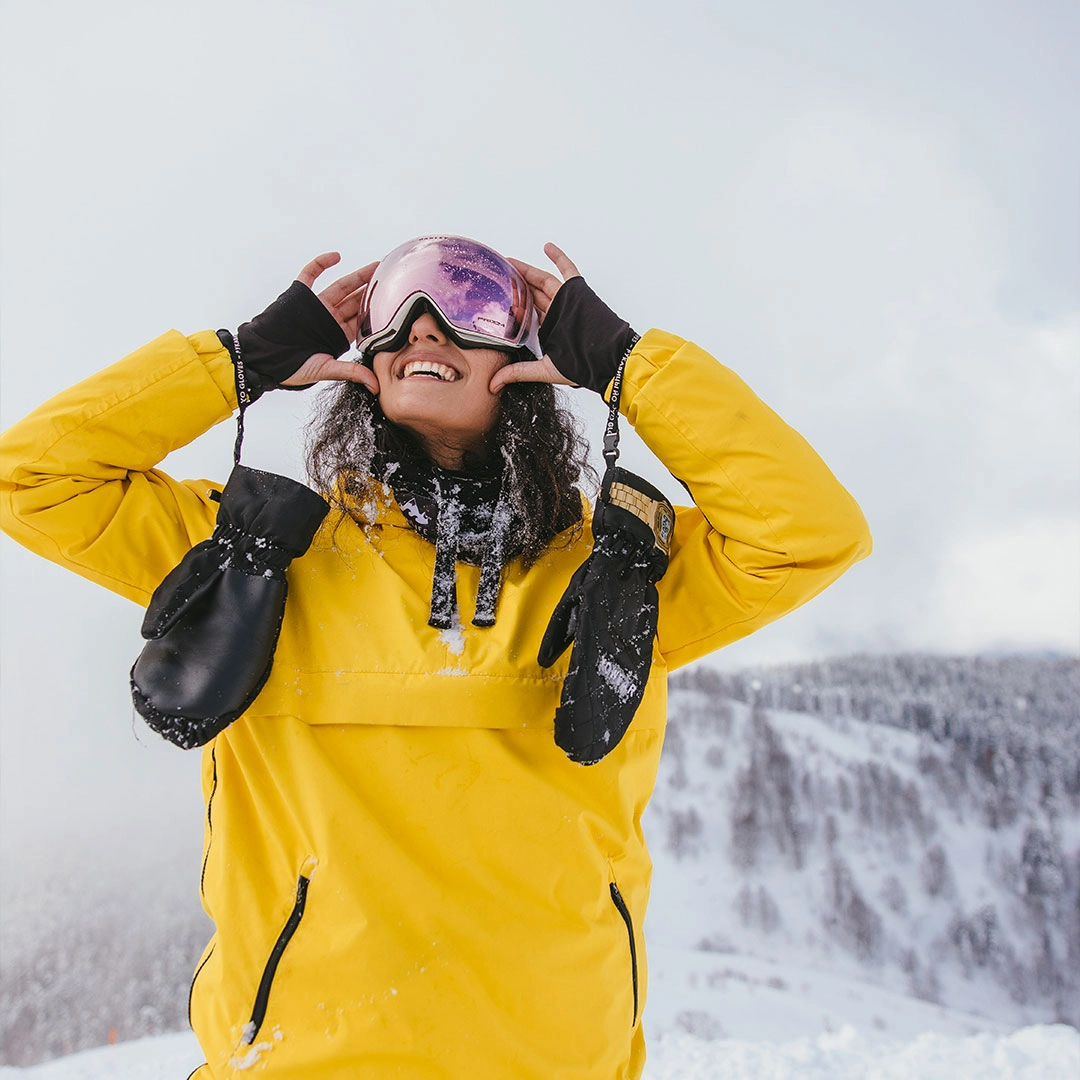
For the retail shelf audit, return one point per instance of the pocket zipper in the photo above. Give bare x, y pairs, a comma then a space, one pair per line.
624, 911
262, 996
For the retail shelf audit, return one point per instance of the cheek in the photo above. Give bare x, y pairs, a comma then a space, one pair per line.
493, 361
381, 367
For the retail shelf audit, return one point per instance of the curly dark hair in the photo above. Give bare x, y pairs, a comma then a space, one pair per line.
538, 437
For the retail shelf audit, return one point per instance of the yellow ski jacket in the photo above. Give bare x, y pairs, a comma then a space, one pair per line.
407, 877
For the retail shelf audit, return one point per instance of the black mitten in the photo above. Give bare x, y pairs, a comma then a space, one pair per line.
609, 611
212, 624
585, 339
278, 342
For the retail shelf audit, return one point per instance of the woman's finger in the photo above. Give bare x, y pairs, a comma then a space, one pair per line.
528, 371
562, 261
347, 371
541, 301
322, 367
542, 282
353, 299
311, 272
334, 294
348, 308
542, 285
532, 274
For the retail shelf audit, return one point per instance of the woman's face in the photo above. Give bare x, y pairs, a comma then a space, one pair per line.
440, 392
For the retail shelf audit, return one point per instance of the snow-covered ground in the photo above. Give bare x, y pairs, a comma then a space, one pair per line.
1033, 1053
779, 1021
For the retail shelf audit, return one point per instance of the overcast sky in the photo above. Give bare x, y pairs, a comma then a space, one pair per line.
871, 211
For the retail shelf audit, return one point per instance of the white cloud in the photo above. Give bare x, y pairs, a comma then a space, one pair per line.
1019, 586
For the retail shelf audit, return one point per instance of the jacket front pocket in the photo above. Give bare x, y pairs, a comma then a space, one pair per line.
262, 995
624, 911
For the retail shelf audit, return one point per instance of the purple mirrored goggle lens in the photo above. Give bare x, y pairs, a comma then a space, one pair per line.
479, 296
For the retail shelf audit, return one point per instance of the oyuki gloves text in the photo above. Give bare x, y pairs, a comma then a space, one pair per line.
609, 611
212, 624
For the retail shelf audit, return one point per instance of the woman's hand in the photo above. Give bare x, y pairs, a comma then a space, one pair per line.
342, 300
584, 341
543, 286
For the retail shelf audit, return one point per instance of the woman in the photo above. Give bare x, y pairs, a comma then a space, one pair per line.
407, 876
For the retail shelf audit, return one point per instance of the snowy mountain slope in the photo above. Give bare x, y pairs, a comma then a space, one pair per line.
729, 996
859, 848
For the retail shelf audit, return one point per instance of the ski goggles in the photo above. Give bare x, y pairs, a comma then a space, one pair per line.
478, 297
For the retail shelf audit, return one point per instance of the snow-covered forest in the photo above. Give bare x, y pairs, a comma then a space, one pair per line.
914, 821
906, 825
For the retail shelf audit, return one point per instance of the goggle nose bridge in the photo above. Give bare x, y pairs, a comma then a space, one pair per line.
472, 261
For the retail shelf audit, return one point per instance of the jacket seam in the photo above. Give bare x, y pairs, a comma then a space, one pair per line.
160, 376
195, 979
87, 420
676, 429
754, 615
641, 392
209, 822
92, 572
424, 673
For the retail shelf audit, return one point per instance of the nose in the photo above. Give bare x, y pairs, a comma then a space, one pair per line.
426, 328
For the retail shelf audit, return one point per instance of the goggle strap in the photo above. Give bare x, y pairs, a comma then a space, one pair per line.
611, 431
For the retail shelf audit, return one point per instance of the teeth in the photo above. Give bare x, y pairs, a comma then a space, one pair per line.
430, 369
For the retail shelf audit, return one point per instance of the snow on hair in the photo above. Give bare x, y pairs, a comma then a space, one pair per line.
538, 438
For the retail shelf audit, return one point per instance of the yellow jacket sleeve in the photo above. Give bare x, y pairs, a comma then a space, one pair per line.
77, 478
771, 527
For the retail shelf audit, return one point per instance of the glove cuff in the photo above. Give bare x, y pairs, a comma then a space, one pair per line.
296, 326
584, 338
277, 510
250, 386
627, 491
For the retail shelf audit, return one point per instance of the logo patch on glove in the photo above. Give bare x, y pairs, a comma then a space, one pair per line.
657, 514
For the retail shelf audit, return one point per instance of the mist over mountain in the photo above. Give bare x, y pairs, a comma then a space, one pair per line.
911, 823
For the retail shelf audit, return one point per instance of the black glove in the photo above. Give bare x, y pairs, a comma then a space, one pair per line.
585, 339
212, 624
609, 611
277, 343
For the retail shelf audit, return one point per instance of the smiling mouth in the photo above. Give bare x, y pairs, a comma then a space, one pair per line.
429, 369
